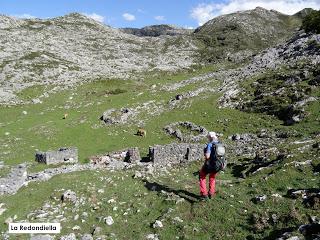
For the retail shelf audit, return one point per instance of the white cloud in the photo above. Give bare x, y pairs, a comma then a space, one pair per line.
24, 15
128, 17
141, 10
204, 12
95, 17
160, 18
188, 27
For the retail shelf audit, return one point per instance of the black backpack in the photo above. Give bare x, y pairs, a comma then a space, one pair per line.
217, 161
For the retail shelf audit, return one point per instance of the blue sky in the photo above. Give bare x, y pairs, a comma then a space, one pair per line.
139, 13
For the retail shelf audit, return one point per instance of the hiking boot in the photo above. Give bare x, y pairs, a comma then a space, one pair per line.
204, 198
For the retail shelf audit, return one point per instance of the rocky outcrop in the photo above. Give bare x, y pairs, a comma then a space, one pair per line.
300, 48
180, 131
14, 180
132, 114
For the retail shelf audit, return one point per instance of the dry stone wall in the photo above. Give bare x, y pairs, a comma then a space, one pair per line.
63, 155
163, 155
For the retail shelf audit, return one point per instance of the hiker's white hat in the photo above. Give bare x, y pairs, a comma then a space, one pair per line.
212, 135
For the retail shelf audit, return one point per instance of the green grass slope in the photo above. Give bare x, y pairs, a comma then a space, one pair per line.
170, 197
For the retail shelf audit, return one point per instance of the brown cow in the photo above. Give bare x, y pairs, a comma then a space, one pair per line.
142, 132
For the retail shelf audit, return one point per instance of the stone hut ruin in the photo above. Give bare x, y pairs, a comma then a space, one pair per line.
63, 155
162, 155
131, 155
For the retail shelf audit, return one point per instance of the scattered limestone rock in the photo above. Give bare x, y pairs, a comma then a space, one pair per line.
69, 196
76, 228
152, 236
173, 130
2, 209
36, 101
70, 236
157, 224
112, 116
137, 174
14, 180
131, 155
177, 220
109, 220
87, 237
41, 237
50, 172
260, 198
8, 220
96, 231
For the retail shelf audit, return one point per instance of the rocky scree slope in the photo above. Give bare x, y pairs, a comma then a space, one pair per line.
73, 48
286, 80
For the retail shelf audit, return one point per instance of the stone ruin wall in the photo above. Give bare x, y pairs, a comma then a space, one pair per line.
63, 155
162, 155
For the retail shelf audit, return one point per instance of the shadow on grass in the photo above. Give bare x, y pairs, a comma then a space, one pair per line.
188, 196
277, 233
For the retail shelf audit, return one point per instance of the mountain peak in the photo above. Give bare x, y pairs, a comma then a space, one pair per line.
7, 21
304, 12
157, 30
74, 16
78, 19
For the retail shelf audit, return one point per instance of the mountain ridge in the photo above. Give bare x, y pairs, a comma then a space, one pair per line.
75, 48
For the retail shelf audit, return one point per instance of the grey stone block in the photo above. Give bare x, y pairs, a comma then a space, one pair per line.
63, 155
162, 155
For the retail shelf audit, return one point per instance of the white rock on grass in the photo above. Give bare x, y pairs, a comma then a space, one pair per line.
111, 200
2, 209
69, 196
108, 220
8, 220
87, 237
70, 236
152, 237
76, 228
177, 220
157, 224
276, 195
41, 237
261, 198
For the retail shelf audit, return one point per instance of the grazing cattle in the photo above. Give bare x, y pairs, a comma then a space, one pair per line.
65, 116
142, 132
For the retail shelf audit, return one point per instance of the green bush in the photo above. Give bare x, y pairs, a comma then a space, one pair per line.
311, 23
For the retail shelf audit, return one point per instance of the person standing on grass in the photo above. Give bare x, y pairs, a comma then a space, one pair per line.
208, 169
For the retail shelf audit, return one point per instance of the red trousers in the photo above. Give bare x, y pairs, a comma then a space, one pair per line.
203, 184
